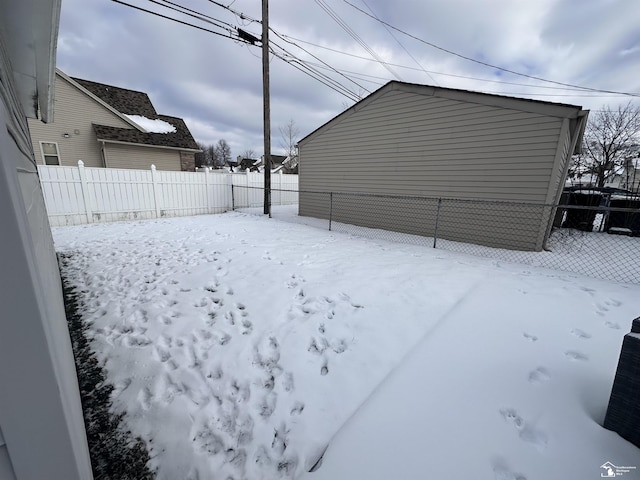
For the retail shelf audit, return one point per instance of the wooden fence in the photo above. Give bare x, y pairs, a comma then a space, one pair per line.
77, 195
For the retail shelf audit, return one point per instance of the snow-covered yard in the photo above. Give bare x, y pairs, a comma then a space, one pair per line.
240, 345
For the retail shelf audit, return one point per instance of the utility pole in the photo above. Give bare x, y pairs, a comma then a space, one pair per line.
266, 108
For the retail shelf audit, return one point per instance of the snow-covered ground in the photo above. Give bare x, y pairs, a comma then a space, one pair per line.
239, 346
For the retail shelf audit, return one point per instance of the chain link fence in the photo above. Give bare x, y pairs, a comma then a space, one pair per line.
600, 239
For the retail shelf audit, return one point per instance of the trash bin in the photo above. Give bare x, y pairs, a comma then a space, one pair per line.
578, 218
624, 222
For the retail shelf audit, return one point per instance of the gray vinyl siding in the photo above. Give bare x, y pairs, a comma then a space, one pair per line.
410, 144
74, 110
406, 144
141, 158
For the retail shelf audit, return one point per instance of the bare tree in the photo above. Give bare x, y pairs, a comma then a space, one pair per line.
223, 151
289, 138
249, 153
610, 138
201, 157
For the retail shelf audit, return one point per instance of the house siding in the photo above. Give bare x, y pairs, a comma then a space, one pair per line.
74, 111
410, 144
141, 158
43, 433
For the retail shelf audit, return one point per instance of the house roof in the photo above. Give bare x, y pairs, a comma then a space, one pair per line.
133, 102
523, 104
181, 138
129, 102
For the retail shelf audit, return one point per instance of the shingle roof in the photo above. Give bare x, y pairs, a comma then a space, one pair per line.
132, 102
180, 139
124, 100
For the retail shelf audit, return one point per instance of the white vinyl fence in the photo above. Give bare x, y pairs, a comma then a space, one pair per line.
77, 195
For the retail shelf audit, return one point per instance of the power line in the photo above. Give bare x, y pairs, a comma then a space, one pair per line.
480, 62
293, 60
236, 13
336, 18
320, 60
301, 67
193, 13
306, 69
401, 45
430, 71
238, 39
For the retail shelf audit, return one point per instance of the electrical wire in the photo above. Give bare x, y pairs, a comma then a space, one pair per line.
237, 39
236, 13
286, 56
480, 62
432, 71
200, 16
302, 68
336, 18
320, 60
300, 65
401, 45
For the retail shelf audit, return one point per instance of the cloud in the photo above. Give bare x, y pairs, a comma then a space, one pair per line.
216, 83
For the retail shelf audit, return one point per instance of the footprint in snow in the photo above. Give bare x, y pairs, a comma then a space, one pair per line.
145, 397
297, 408
502, 472
576, 356
612, 325
581, 334
324, 370
613, 302
163, 354
526, 432
539, 375
530, 337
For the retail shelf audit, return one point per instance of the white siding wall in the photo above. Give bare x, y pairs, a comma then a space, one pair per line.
43, 432
74, 111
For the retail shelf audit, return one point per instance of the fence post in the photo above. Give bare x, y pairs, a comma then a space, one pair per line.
154, 183
206, 189
233, 198
435, 233
84, 186
330, 208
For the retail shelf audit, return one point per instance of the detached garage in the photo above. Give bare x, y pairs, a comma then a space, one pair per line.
406, 141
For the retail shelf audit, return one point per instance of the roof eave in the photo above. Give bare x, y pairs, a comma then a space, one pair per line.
120, 142
33, 25
522, 104
100, 101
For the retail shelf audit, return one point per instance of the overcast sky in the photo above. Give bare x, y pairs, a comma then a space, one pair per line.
215, 83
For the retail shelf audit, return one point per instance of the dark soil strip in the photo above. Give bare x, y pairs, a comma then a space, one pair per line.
115, 453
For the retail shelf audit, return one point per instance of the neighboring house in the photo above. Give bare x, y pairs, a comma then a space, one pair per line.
107, 126
250, 164
417, 140
42, 433
279, 164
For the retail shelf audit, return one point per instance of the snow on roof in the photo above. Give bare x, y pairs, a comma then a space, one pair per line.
152, 125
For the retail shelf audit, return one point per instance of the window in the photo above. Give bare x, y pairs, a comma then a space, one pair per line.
50, 153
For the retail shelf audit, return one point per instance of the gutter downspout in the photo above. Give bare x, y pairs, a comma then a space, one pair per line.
103, 151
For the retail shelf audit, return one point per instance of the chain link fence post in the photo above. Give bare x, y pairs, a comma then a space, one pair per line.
330, 208
435, 233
